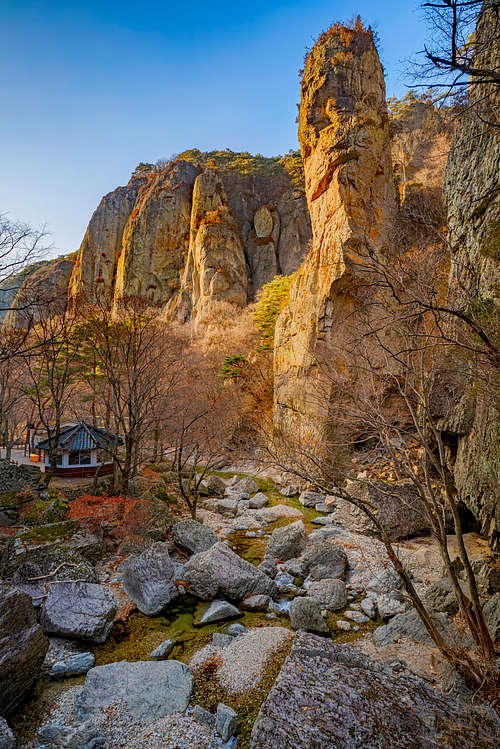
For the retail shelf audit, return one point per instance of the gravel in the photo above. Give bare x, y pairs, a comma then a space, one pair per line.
243, 662
120, 730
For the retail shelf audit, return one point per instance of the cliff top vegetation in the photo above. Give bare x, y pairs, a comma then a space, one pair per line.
234, 162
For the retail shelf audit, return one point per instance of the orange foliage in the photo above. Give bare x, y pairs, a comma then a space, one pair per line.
345, 32
127, 516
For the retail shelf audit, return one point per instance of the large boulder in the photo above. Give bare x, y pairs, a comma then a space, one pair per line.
491, 613
46, 556
84, 610
287, 542
311, 499
220, 573
333, 696
215, 485
148, 579
397, 506
441, 597
149, 689
409, 624
258, 501
323, 558
193, 536
331, 594
246, 486
305, 614
22, 647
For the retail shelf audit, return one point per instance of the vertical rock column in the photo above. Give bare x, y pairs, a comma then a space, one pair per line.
344, 136
216, 269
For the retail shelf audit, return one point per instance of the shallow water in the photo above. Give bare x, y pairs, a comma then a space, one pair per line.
135, 639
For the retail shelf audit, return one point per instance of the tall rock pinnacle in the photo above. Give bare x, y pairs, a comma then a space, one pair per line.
344, 136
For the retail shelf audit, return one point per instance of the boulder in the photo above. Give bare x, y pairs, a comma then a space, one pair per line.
398, 506
236, 629
24, 579
22, 647
311, 499
162, 651
384, 581
491, 613
193, 536
323, 558
57, 736
215, 485
289, 491
246, 486
149, 689
148, 579
84, 610
227, 506
356, 616
440, 597
255, 603
331, 594
369, 606
389, 605
7, 740
410, 625
287, 542
277, 512
329, 695
200, 715
218, 611
70, 563
258, 501
226, 721
73, 665
219, 572
305, 614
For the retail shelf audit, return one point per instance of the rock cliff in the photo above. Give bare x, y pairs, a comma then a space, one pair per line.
48, 285
344, 135
473, 204
140, 239
215, 269
95, 265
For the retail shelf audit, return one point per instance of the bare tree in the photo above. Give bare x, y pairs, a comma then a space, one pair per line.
454, 56
138, 362
390, 384
52, 362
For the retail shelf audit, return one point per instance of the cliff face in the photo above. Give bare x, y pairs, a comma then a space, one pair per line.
48, 285
95, 265
473, 204
215, 269
140, 239
156, 235
344, 135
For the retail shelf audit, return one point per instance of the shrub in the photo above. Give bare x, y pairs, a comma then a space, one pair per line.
231, 366
270, 301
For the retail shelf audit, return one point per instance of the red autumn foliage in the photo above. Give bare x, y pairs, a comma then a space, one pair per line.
122, 516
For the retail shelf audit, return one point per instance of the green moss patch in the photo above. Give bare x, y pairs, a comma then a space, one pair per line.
44, 534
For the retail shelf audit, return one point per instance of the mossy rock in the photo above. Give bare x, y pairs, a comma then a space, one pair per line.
14, 500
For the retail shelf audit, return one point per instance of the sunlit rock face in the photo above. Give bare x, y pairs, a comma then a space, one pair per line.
344, 136
216, 269
140, 239
96, 261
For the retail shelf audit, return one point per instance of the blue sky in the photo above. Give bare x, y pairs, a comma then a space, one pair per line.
89, 89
